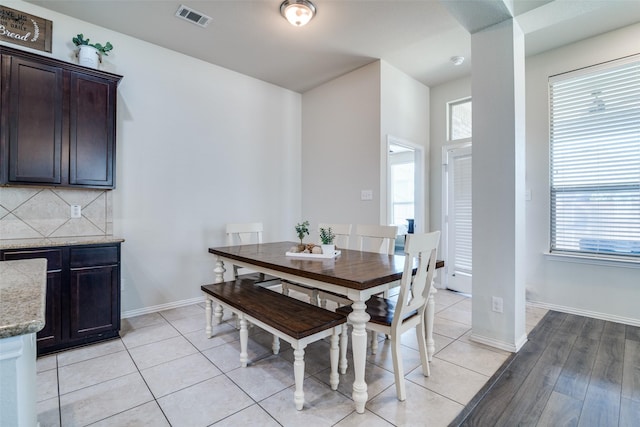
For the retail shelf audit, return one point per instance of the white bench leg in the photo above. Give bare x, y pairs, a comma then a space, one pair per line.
374, 342
244, 341
207, 314
276, 345
344, 342
298, 375
334, 378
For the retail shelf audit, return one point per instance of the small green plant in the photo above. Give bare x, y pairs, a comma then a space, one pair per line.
79, 40
302, 229
327, 236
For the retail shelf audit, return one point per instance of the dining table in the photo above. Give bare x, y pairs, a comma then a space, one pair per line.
355, 274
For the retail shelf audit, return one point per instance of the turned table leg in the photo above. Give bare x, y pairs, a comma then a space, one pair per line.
359, 318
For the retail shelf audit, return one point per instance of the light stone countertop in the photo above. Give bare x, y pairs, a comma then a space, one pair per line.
23, 288
57, 241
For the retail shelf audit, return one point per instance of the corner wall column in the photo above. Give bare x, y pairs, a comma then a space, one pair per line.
498, 93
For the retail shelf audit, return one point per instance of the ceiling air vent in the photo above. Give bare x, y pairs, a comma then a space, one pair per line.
193, 16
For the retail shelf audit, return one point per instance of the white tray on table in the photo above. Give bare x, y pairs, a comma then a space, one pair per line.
314, 256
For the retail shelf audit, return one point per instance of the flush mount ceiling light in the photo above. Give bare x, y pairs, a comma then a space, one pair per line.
297, 12
457, 60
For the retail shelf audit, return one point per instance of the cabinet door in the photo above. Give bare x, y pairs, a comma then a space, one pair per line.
92, 130
94, 301
51, 334
35, 108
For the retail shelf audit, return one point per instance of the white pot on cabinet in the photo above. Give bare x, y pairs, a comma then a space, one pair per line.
89, 56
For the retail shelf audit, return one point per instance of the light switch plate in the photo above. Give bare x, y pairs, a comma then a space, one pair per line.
366, 195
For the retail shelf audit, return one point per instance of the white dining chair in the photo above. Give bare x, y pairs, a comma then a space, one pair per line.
343, 234
381, 239
246, 234
376, 238
394, 316
371, 238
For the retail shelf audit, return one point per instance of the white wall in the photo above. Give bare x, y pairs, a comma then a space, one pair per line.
341, 149
404, 106
197, 146
609, 292
345, 124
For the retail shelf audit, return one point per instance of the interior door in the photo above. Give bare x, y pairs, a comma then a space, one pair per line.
405, 178
458, 218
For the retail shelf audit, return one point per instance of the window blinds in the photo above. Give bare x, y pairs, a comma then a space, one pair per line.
595, 160
462, 214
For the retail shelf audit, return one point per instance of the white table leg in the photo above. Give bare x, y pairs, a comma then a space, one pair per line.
219, 271
359, 318
219, 278
218, 314
430, 316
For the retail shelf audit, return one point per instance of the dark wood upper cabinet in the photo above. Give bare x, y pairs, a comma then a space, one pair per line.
57, 122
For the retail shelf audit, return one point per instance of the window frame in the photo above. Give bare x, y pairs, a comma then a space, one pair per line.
601, 257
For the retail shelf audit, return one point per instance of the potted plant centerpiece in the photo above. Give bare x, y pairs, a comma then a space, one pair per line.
302, 230
326, 237
90, 54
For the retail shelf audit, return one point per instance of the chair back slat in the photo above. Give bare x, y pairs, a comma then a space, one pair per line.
376, 238
243, 234
414, 289
342, 232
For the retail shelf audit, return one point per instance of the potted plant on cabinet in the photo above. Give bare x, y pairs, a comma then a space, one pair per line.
90, 54
326, 237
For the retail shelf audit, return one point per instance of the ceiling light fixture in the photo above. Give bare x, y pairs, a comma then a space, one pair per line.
457, 60
297, 12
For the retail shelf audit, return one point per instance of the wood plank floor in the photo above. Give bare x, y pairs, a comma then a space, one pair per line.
573, 371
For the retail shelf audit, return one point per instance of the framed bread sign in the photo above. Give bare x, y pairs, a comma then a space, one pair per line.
24, 29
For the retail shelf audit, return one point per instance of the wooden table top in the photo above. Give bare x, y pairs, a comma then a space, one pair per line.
352, 269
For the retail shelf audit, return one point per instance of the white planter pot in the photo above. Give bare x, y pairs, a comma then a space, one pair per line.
328, 249
88, 56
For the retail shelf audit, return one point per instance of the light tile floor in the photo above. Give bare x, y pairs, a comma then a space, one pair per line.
163, 371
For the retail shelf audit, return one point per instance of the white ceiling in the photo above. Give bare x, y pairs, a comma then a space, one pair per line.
416, 36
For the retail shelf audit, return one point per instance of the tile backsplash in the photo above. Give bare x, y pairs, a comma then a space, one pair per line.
32, 212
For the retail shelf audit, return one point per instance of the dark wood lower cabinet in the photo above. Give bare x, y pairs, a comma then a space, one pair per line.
83, 294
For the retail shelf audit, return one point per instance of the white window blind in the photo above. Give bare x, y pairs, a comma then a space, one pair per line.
460, 120
462, 214
595, 160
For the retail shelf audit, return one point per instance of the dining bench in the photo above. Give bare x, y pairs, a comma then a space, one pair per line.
287, 318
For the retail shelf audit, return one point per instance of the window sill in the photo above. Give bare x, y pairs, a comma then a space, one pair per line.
593, 260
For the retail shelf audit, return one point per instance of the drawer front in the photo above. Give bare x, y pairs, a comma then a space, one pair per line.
94, 256
53, 256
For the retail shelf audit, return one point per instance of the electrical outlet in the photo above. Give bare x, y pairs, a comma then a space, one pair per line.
366, 195
496, 304
76, 211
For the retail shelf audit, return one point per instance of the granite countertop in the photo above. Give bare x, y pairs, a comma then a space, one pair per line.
58, 241
23, 288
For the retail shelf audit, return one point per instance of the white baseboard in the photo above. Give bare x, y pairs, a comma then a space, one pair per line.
502, 345
160, 307
586, 313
